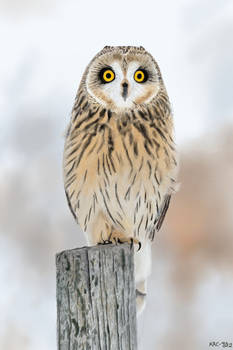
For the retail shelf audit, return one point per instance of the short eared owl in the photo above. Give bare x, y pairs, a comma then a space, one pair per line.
120, 159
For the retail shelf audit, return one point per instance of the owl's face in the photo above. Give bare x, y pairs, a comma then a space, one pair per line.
123, 77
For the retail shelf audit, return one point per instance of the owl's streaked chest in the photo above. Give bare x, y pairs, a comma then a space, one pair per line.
122, 167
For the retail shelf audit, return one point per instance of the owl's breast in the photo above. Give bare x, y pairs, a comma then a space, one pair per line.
132, 182
122, 168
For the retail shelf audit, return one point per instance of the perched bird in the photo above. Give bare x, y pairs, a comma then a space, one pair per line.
120, 158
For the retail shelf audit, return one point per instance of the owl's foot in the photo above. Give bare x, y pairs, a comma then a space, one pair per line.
119, 238
105, 241
130, 240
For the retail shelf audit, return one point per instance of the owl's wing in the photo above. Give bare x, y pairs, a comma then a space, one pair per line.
163, 212
70, 206
161, 216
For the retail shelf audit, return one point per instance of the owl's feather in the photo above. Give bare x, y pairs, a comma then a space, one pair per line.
163, 212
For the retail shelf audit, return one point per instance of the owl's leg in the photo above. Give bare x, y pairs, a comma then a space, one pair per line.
100, 231
116, 237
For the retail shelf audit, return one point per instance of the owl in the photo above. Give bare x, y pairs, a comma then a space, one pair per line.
120, 161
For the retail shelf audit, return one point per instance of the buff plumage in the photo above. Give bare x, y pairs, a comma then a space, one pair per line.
119, 158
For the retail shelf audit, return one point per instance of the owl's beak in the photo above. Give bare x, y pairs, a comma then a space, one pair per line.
125, 90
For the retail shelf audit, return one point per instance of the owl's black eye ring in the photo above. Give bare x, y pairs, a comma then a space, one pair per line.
106, 75
141, 75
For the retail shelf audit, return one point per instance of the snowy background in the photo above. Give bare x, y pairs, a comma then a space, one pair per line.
45, 47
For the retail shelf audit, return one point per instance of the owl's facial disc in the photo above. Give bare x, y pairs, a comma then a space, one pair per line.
118, 87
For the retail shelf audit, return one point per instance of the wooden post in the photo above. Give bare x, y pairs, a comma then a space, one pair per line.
96, 308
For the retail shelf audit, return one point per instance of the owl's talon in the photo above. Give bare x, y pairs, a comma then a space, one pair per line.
131, 243
116, 238
104, 242
130, 240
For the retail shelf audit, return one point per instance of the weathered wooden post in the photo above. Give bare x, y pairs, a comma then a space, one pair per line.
96, 307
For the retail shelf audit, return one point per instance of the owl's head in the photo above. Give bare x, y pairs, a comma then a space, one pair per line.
122, 77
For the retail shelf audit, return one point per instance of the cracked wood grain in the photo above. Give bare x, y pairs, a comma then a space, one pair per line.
96, 307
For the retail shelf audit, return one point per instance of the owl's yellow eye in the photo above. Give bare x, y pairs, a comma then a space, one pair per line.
140, 76
107, 75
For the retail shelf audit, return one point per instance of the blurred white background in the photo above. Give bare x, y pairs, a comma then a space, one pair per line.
45, 47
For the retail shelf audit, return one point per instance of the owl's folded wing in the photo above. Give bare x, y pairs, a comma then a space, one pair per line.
163, 212
70, 206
